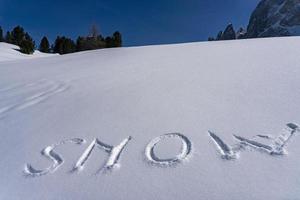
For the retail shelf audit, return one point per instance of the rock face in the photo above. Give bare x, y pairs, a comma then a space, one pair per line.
229, 33
241, 33
273, 18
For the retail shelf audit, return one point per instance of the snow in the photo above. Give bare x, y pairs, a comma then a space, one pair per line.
10, 52
137, 107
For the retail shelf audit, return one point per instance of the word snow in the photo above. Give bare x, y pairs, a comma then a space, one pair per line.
277, 146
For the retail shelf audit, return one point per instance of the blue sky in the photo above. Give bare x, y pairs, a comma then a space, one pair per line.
141, 22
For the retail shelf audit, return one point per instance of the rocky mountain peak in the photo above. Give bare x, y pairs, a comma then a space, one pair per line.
273, 18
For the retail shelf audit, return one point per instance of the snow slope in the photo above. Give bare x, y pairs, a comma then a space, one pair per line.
243, 88
9, 52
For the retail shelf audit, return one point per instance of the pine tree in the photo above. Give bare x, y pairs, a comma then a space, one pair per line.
109, 42
80, 44
27, 44
1, 35
57, 47
117, 39
44, 45
69, 46
64, 45
18, 35
8, 37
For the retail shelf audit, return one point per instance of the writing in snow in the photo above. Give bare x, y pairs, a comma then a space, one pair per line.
277, 146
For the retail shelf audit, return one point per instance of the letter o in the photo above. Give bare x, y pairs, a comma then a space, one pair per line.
186, 149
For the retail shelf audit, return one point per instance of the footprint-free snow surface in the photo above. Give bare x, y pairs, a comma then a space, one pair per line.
211, 120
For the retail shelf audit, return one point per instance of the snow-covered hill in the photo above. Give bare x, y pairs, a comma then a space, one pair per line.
9, 52
188, 121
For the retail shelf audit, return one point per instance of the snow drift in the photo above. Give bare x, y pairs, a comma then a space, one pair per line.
9, 52
210, 105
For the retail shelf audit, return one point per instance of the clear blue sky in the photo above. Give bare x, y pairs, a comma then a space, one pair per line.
141, 22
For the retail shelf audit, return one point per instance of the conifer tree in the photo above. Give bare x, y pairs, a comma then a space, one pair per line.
80, 44
64, 45
57, 47
44, 45
69, 46
8, 37
109, 42
117, 39
27, 44
1, 35
18, 35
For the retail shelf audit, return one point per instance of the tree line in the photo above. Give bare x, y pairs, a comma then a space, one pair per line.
62, 44
19, 37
